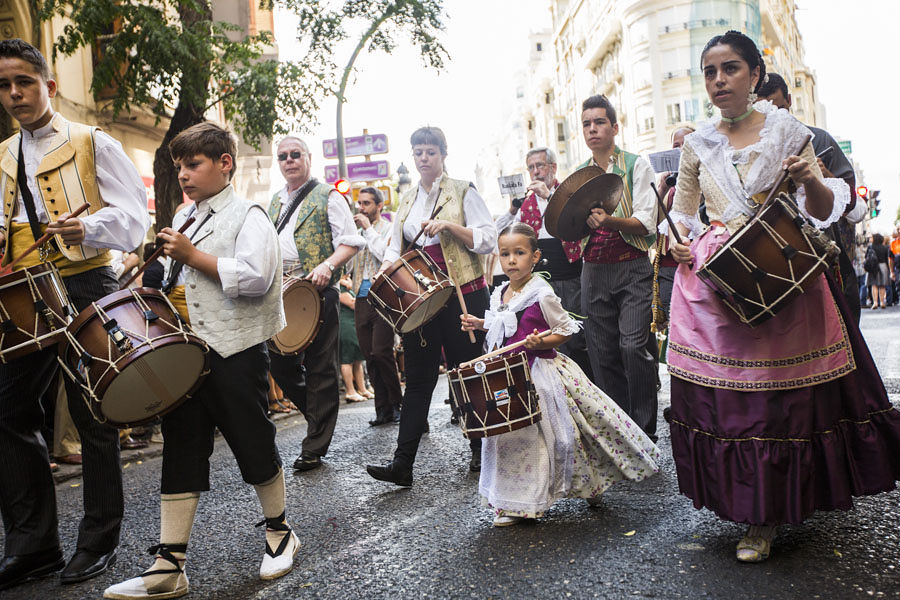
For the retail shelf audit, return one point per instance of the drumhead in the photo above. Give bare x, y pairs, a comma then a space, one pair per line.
153, 384
427, 310
302, 310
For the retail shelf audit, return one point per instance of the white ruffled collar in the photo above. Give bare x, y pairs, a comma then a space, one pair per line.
500, 320
780, 137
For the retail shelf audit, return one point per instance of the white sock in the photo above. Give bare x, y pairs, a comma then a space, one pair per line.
176, 517
272, 498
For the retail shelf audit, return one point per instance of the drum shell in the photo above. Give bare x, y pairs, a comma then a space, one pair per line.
506, 380
418, 303
146, 337
17, 300
759, 290
285, 342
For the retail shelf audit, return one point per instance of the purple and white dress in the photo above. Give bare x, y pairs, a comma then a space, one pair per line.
584, 442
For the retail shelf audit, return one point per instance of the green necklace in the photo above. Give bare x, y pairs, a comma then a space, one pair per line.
740, 118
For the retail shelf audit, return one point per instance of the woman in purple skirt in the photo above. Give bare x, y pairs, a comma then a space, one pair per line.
772, 423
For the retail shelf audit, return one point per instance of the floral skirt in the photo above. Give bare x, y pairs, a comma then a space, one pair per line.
583, 444
768, 457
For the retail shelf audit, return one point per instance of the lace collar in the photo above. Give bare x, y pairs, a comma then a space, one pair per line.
500, 320
779, 138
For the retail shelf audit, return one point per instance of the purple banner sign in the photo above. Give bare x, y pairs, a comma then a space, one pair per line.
363, 171
361, 145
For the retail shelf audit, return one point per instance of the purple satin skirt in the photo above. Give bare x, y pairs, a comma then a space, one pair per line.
773, 457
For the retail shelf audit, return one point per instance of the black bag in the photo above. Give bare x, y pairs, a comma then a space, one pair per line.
870, 264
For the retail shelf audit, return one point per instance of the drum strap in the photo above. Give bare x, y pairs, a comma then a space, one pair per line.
177, 266
27, 198
302, 193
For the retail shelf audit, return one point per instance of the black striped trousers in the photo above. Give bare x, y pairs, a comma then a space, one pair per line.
27, 494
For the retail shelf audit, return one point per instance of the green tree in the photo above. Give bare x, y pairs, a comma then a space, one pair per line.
381, 23
171, 58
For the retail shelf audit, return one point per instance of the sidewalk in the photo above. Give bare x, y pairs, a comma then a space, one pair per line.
130, 457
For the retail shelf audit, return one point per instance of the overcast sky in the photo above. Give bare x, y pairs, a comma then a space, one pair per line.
855, 68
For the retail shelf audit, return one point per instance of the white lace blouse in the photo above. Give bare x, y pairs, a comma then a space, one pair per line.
728, 177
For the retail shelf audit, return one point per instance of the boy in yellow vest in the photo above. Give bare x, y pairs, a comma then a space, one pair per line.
225, 270
47, 170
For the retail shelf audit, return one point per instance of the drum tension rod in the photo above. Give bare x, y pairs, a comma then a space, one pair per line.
41, 308
115, 332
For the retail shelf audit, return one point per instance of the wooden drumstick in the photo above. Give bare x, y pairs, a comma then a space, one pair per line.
155, 255
784, 175
494, 353
462, 302
662, 207
41, 241
421, 231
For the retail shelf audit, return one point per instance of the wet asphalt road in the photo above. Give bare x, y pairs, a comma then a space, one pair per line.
367, 539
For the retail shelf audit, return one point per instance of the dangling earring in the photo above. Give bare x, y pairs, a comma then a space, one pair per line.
751, 100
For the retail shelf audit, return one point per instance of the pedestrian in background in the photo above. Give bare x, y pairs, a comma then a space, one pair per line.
351, 355
879, 277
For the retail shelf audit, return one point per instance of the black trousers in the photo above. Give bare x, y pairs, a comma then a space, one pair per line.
376, 339
27, 493
319, 399
423, 362
233, 397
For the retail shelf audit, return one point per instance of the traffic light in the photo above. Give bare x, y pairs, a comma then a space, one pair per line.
863, 192
873, 198
342, 185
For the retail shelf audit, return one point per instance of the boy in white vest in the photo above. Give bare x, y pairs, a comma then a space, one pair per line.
224, 276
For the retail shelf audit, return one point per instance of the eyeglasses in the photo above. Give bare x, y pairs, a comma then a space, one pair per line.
537, 166
295, 154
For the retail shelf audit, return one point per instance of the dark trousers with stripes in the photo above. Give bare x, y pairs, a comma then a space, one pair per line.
319, 398
376, 340
616, 299
27, 494
422, 357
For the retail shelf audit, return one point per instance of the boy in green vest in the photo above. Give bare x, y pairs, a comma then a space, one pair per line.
617, 277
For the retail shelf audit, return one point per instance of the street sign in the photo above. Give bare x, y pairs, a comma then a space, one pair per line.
359, 145
363, 171
845, 146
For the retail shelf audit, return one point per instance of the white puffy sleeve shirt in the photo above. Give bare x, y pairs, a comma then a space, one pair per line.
123, 222
340, 221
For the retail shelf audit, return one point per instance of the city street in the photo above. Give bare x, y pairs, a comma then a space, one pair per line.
367, 539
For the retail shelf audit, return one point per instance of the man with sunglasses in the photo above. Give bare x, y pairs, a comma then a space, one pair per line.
563, 258
317, 236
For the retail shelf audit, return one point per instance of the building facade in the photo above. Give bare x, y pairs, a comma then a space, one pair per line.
644, 55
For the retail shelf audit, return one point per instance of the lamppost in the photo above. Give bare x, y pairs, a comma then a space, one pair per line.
403, 180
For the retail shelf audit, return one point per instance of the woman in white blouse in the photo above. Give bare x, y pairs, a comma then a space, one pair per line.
463, 231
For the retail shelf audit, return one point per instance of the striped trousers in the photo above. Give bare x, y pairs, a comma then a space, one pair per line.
27, 493
616, 300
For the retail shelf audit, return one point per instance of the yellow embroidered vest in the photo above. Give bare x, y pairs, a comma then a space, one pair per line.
66, 178
463, 265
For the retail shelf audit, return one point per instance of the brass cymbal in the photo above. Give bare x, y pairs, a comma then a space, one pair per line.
571, 203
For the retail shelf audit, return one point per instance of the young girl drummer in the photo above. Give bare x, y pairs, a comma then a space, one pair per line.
584, 442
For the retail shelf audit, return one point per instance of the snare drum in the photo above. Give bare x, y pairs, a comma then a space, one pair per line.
134, 357
304, 308
411, 292
494, 396
768, 262
34, 310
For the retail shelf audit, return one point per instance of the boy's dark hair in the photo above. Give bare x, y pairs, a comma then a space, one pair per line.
205, 138
429, 135
600, 101
772, 83
18, 48
745, 48
376, 193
